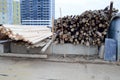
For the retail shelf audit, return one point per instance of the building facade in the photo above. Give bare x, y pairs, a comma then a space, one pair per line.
6, 12
37, 12
9, 12
16, 12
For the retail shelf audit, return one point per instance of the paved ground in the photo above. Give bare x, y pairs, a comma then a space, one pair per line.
29, 69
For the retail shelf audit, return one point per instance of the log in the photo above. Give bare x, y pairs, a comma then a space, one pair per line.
89, 28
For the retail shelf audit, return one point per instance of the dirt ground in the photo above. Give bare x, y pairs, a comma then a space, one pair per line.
36, 69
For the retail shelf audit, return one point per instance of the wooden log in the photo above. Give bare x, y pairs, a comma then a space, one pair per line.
89, 28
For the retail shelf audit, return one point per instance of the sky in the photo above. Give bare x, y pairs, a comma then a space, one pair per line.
76, 7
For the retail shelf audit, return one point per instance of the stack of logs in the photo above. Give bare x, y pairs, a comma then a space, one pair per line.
4, 33
89, 28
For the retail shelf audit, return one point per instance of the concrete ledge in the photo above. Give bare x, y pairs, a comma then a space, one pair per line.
79, 59
24, 55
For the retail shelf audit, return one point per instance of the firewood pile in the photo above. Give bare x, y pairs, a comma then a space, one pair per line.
6, 33
89, 28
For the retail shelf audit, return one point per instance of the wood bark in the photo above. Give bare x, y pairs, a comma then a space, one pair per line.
89, 28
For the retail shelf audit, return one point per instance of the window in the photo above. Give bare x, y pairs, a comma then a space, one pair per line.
17, 14
38, 0
3, 13
3, 22
3, 17
3, 9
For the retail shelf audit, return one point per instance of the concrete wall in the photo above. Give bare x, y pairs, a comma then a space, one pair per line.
15, 48
72, 49
1, 48
5, 48
53, 49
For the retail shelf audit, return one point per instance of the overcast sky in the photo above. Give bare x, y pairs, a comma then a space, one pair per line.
76, 7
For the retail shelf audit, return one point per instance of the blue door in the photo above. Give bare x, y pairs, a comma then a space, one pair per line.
114, 33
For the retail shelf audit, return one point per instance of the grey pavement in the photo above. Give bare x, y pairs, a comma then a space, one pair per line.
37, 69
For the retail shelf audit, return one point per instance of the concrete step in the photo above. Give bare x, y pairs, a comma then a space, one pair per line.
43, 56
